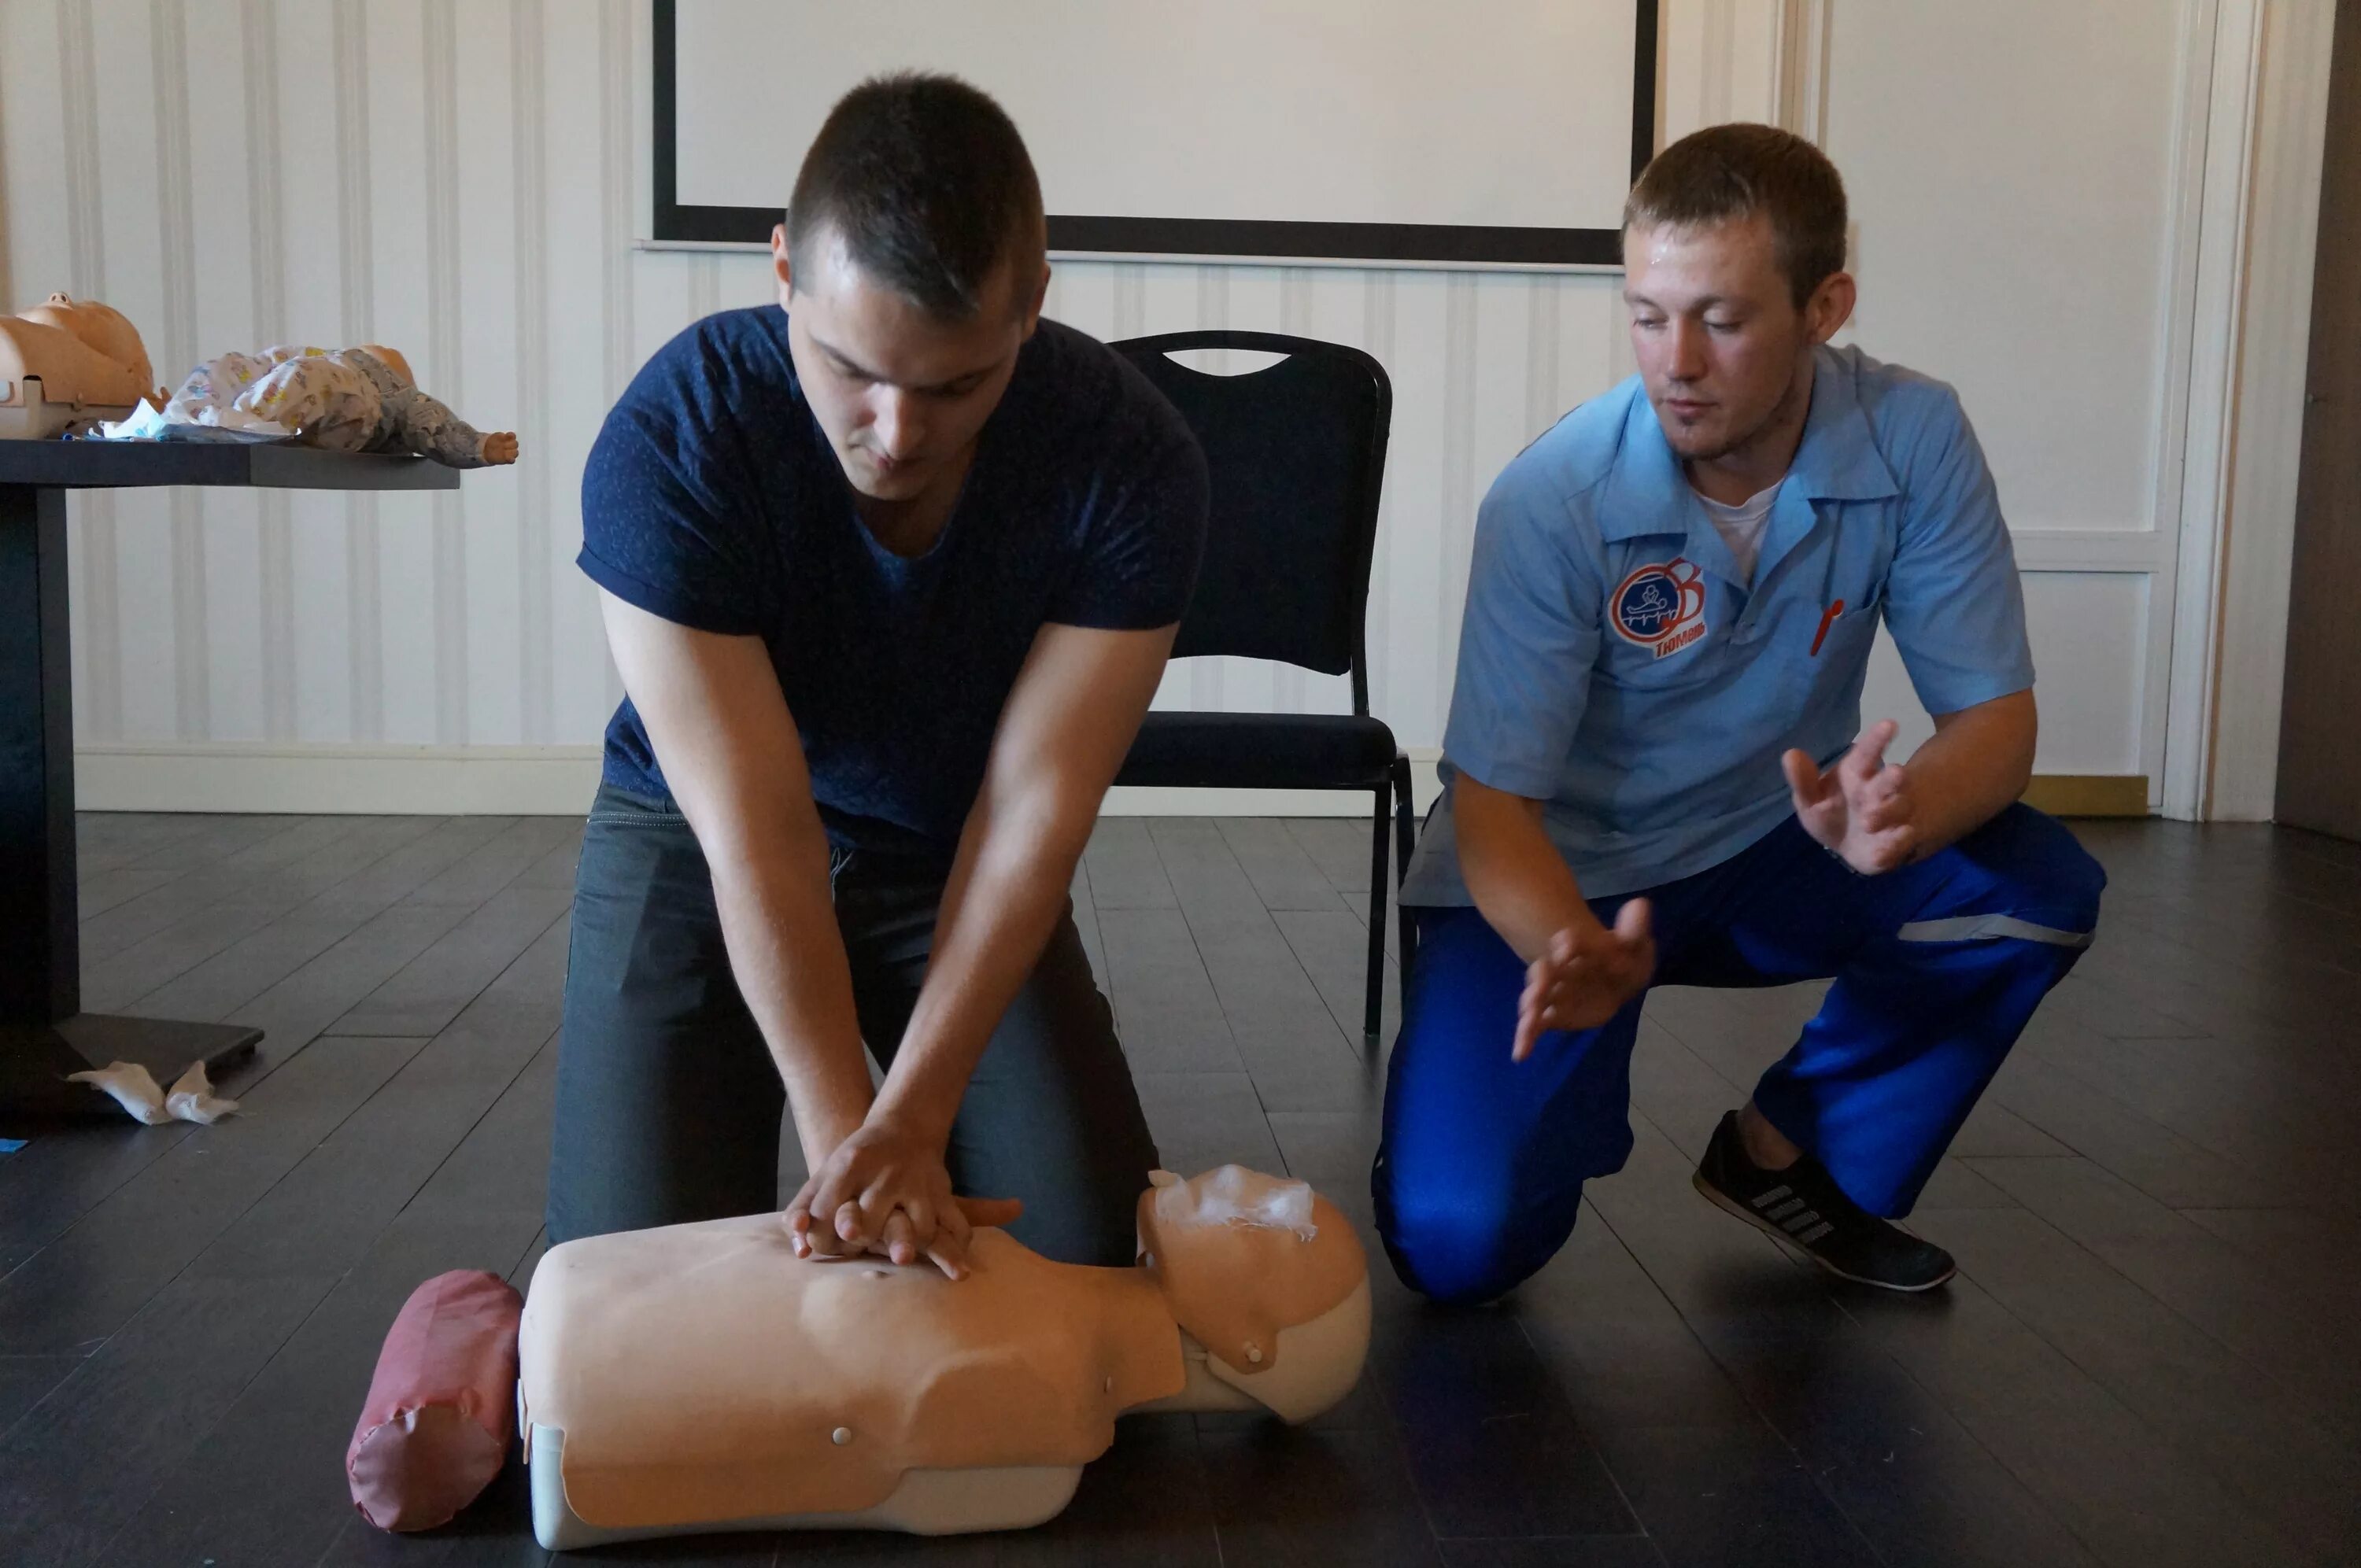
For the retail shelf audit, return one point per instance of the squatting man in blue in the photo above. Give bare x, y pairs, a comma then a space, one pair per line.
1656, 772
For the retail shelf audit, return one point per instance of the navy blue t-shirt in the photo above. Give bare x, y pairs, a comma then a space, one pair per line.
713, 499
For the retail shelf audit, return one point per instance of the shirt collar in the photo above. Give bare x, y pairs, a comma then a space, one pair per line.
1647, 493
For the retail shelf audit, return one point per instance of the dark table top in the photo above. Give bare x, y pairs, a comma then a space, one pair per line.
124, 465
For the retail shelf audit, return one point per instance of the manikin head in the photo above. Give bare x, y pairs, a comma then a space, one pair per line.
913, 264
1733, 259
1268, 1276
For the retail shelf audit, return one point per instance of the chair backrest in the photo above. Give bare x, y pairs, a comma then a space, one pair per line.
1297, 454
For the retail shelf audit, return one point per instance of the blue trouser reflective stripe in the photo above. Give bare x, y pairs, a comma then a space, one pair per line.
1938, 966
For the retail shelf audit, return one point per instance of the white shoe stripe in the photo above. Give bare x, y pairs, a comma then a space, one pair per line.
1985, 927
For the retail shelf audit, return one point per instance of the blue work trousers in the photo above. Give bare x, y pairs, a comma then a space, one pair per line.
1938, 966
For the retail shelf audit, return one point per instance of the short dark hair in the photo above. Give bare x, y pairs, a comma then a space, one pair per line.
1734, 171
928, 185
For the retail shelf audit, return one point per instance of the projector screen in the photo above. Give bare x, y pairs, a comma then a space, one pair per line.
1483, 132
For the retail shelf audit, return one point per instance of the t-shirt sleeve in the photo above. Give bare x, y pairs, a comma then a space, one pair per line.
1145, 539
1528, 644
1953, 598
665, 529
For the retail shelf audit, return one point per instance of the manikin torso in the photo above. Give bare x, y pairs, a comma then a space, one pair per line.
67, 361
698, 1377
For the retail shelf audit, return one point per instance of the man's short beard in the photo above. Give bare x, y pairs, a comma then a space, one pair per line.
1712, 455
1736, 443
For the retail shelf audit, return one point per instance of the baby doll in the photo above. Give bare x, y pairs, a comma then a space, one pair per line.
343, 399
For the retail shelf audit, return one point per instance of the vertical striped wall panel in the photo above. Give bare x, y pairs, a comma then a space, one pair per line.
458, 180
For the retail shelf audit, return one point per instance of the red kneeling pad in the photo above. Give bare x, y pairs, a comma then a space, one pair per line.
442, 1408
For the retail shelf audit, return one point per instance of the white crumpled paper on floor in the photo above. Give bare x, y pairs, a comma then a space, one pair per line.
134, 1088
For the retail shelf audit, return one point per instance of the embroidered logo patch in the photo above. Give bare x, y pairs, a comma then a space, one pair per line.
1660, 607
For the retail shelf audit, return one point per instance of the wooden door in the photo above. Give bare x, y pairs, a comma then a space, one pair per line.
2320, 731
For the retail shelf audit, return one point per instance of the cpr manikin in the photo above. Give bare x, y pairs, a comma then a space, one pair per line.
703, 1377
69, 362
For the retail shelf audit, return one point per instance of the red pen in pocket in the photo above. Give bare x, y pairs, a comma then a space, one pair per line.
1827, 619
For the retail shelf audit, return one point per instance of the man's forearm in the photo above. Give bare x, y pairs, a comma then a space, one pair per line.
1006, 893
1977, 760
1521, 883
779, 924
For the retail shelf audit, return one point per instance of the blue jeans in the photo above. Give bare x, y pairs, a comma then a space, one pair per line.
1938, 966
669, 1105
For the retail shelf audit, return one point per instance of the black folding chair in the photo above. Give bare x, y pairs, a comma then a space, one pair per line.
1297, 452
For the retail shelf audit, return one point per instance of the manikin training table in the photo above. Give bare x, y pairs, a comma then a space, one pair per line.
44, 1033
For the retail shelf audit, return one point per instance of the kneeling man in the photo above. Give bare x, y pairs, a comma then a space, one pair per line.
1656, 770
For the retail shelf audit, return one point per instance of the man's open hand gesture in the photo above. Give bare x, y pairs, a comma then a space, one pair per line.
1586, 976
1862, 809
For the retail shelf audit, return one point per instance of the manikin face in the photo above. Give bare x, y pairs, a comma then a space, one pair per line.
900, 393
1721, 346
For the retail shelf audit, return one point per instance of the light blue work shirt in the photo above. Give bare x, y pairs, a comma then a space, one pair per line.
1612, 664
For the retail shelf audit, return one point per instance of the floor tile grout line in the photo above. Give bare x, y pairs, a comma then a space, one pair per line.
2105, 1388
366, 1101
473, 997
259, 1197
1762, 1415
178, 1131
540, 1232
290, 824
1698, 1340
407, 900
1352, 1056
277, 914
359, 871
2262, 1375
490, 1106
2032, 1118
130, 1513
2000, 1462
2106, 1092
226, 862
1598, 1450
332, 1285
1197, 948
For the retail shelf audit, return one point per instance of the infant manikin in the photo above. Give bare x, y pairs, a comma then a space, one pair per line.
69, 362
343, 399
703, 1377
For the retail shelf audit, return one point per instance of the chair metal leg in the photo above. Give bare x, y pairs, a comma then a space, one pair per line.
1373, 1019
1406, 843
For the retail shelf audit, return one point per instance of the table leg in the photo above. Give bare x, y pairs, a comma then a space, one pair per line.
44, 1033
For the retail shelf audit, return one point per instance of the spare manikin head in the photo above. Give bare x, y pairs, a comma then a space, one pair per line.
102, 328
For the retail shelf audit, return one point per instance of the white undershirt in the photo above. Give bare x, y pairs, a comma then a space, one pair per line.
1741, 527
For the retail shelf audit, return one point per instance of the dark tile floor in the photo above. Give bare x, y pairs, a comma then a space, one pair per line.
2147, 1360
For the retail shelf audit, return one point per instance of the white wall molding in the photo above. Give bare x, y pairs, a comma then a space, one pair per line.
2257, 557
2224, 163
1800, 71
2092, 550
2266, 114
519, 780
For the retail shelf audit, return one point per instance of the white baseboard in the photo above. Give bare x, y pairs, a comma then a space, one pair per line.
515, 781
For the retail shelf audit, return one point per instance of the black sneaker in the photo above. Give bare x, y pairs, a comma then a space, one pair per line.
1803, 1205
